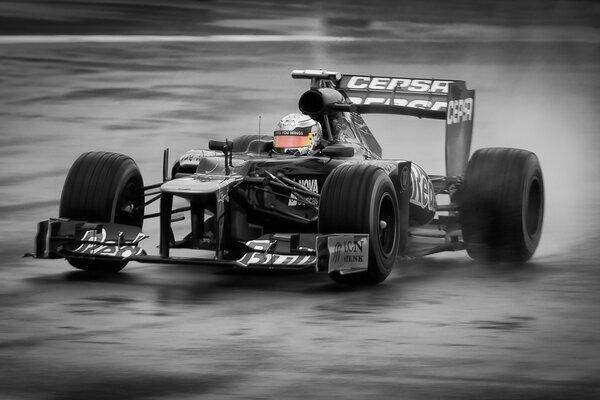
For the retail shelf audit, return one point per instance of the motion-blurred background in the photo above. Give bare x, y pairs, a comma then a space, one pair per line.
543, 20
139, 76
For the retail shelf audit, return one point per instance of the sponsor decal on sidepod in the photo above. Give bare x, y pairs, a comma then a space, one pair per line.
422, 189
310, 185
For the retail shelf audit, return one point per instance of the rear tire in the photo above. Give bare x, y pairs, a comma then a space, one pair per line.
103, 187
502, 205
360, 198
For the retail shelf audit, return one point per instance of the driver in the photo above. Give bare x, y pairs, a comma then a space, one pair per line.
297, 134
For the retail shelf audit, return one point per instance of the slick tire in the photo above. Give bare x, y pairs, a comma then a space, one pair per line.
359, 198
245, 143
103, 187
502, 205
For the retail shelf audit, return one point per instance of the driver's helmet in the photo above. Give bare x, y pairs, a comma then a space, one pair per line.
296, 134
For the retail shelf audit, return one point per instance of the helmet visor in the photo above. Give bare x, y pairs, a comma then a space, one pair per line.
300, 137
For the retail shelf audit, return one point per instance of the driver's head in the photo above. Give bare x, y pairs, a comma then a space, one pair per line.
296, 133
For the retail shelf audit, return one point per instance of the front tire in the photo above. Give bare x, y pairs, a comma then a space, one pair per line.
359, 198
103, 187
502, 205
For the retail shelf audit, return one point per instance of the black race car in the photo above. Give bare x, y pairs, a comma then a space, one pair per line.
342, 208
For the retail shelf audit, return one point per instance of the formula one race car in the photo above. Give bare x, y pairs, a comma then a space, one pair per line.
259, 202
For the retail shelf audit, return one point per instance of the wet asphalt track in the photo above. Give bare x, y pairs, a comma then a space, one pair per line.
442, 327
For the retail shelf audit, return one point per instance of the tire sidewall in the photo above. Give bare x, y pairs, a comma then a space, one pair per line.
382, 267
532, 176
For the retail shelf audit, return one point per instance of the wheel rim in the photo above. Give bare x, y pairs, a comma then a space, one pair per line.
129, 205
386, 226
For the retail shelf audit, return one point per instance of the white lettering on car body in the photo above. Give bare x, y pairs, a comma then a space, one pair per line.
98, 245
312, 186
422, 194
459, 110
276, 259
407, 84
348, 253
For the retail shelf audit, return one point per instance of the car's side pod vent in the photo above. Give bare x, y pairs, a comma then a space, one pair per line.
316, 101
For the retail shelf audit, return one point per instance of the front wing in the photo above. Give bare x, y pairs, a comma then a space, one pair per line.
80, 240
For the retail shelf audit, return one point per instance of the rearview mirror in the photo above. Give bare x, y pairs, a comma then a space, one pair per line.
226, 147
338, 150
219, 145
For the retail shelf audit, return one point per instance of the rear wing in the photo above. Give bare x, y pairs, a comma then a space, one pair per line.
420, 94
442, 99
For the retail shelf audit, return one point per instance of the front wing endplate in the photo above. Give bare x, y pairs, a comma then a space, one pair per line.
343, 253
